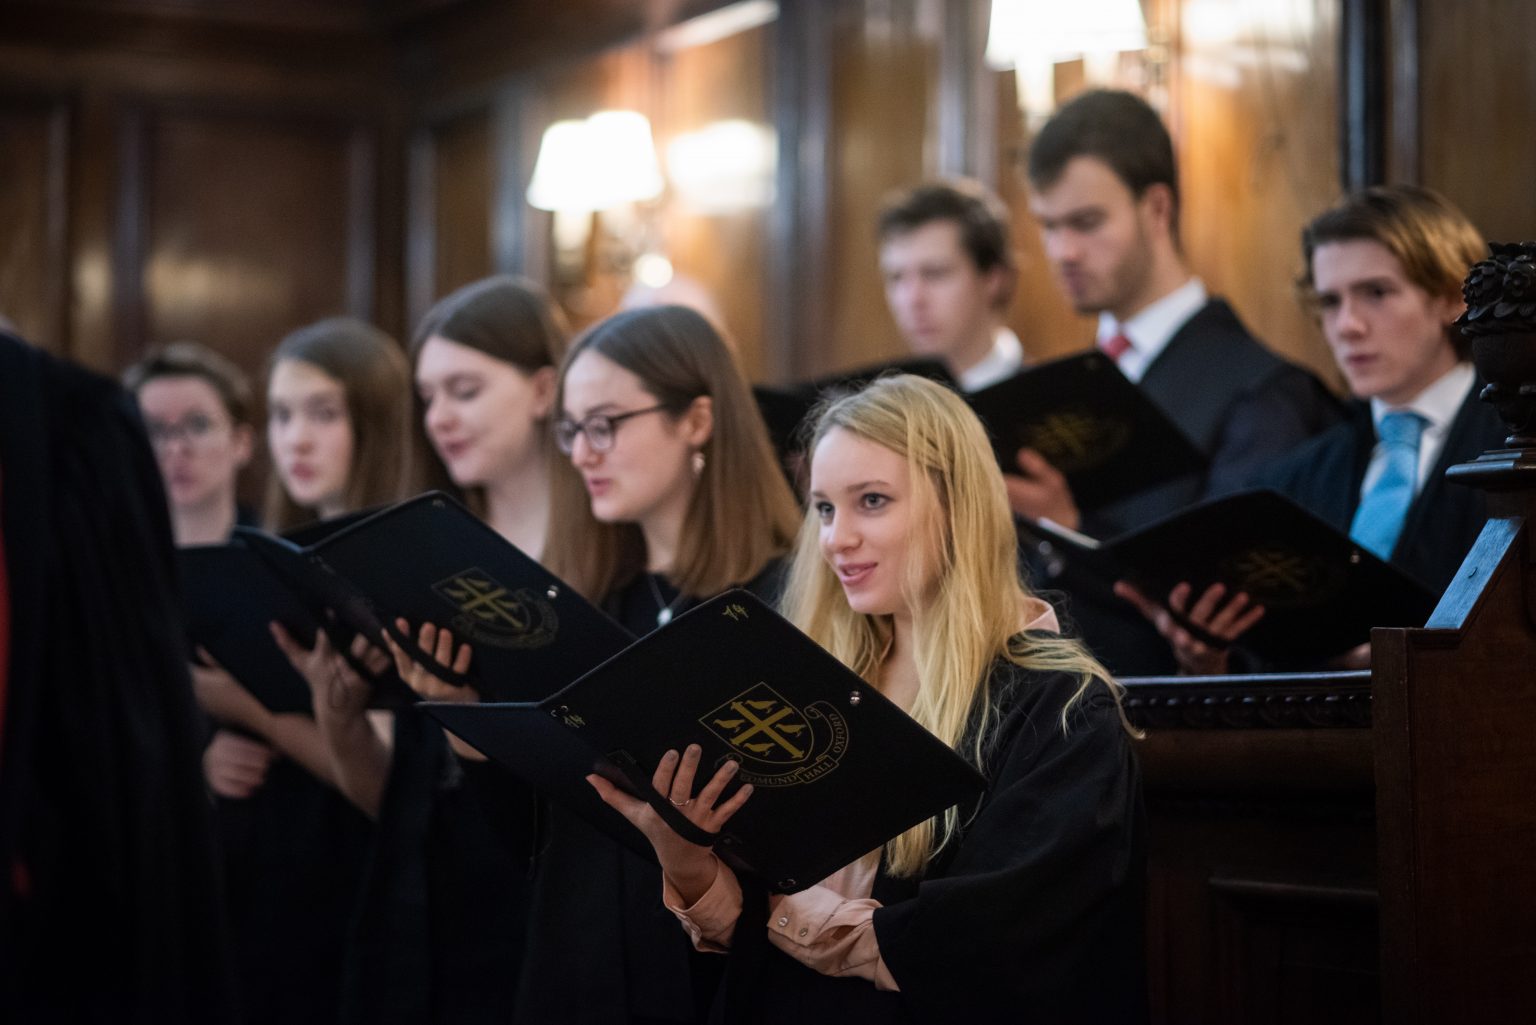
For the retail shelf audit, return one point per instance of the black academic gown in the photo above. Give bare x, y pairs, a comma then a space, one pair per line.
292, 853
109, 896
1243, 406
438, 938
1445, 518
1035, 915
603, 949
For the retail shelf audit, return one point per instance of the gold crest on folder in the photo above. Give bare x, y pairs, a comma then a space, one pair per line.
777, 744
490, 613
1076, 440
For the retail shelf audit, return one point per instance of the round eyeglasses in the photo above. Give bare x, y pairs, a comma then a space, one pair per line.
193, 428
599, 429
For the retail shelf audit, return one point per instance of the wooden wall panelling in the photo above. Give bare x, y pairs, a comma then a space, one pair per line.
1403, 102
1477, 99
237, 225
1253, 107
723, 250
1363, 82
967, 102
1040, 314
453, 169
34, 217
798, 290
884, 95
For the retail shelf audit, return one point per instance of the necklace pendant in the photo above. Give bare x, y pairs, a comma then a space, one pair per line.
664, 616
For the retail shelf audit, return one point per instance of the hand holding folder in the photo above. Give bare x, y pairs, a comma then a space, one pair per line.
430, 560
231, 595
1094, 426
1322, 593
836, 769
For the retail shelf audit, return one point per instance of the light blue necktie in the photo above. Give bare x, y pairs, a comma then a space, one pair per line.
1379, 518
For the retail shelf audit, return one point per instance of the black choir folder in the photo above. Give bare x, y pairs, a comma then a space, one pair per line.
1101, 431
1323, 592
784, 410
836, 768
229, 596
428, 559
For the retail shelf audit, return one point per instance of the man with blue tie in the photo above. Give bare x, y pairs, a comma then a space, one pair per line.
1105, 191
1383, 271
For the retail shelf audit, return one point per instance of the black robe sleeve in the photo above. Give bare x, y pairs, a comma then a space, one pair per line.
109, 907
1037, 915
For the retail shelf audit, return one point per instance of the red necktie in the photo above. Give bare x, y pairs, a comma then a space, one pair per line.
1115, 346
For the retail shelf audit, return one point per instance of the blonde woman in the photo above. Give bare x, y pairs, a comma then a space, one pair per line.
1024, 906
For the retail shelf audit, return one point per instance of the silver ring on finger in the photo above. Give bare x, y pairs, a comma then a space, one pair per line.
680, 804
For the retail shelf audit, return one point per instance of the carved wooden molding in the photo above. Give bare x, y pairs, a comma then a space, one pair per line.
1292, 701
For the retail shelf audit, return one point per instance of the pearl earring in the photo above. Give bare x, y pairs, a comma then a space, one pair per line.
698, 463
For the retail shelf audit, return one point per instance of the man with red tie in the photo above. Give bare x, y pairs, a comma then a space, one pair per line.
1104, 188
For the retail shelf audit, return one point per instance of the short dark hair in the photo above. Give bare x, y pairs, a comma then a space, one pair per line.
976, 210
189, 359
1118, 128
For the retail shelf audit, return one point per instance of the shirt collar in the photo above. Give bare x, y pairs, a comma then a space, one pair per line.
1438, 403
1005, 360
1153, 326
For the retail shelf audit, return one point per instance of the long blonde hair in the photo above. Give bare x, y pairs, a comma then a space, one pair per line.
742, 514
966, 594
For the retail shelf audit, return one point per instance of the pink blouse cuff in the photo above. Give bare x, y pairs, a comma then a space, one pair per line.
829, 933
709, 921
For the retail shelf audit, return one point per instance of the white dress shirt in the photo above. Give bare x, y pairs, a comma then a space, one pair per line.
1005, 360
1437, 404
1151, 329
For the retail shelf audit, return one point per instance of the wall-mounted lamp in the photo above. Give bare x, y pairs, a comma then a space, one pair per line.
606, 160
603, 163
1032, 36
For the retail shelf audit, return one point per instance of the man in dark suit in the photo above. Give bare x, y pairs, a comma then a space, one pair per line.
1384, 270
1105, 191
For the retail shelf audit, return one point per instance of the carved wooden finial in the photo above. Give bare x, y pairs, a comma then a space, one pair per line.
1501, 322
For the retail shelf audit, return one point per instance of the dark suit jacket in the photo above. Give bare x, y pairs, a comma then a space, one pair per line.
1239, 403
1242, 405
1325, 474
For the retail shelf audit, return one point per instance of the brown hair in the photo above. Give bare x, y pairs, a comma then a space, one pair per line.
376, 382
742, 514
1117, 128
508, 318
189, 359
974, 209
1433, 241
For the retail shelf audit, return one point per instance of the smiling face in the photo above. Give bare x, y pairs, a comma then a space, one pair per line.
483, 415
943, 304
862, 494
309, 431
1387, 334
647, 474
1098, 236
199, 448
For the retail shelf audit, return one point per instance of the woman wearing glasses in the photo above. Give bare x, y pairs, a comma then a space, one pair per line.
197, 409
676, 496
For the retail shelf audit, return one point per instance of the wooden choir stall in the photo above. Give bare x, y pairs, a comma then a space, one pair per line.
1358, 846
